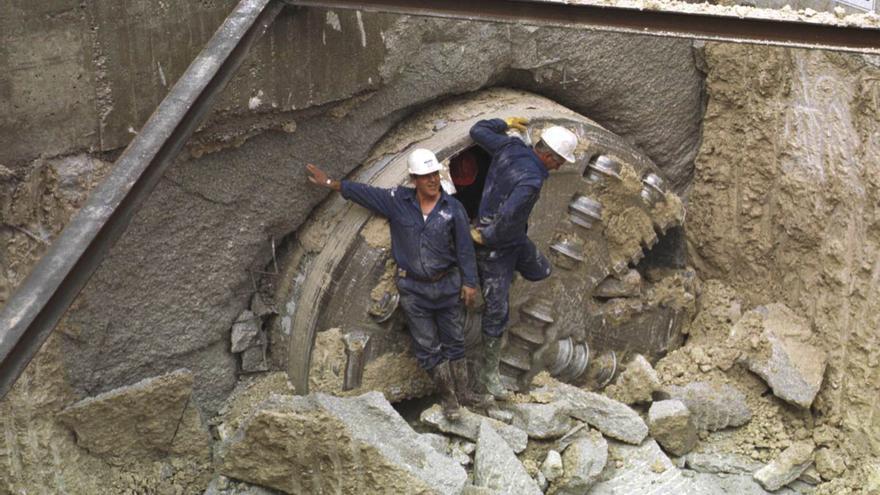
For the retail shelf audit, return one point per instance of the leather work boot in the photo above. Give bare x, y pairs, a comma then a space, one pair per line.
489, 376
466, 396
443, 381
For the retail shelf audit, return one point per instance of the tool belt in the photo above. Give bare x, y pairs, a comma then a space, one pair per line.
401, 273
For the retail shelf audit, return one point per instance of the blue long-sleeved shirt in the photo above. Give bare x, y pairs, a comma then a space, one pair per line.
512, 188
424, 248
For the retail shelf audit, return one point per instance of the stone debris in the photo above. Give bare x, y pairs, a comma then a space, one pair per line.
612, 418
636, 384
794, 368
245, 331
461, 451
543, 421
260, 308
478, 490
829, 463
468, 426
552, 467
502, 415
670, 424
714, 463
320, 443
496, 465
628, 285
141, 422
253, 360
790, 464
733, 484
713, 406
221, 485
811, 475
438, 442
643, 469
583, 462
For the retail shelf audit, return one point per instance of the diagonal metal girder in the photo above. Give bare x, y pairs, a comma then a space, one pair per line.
666, 23
40, 301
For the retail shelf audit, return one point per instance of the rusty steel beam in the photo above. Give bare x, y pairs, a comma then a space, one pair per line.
666, 23
35, 308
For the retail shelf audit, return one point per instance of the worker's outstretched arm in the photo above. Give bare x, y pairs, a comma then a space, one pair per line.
512, 217
490, 134
374, 198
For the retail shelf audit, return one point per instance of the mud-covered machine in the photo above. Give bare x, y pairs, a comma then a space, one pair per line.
599, 221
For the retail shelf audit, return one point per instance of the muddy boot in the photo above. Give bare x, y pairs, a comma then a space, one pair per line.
466, 396
489, 376
443, 381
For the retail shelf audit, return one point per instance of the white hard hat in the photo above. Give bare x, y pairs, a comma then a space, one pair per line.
422, 162
560, 140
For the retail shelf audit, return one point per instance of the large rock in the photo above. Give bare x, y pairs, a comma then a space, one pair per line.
643, 469
612, 418
320, 443
790, 464
468, 426
785, 358
496, 466
543, 421
637, 382
713, 406
142, 422
718, 463
583, 462
670, 424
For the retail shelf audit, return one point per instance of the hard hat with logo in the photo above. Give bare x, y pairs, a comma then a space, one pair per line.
422, 162
560, 140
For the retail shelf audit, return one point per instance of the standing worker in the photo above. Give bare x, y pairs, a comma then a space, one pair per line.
436, 270
513, 185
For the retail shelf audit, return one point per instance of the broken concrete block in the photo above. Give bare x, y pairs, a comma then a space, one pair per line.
628, 285
713, 406
143, 422
543, 421
583, 462
637, 382
714, 463
642, 469
319, 443
502, 415
468, 426
552, 466
829, 463
245, 332
612, 418
670, 424
461, 451
496, 466
785, 358
787, 467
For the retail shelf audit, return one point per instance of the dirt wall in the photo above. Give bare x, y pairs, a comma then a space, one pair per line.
785, 206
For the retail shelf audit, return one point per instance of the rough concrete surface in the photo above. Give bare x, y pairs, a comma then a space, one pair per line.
319, 443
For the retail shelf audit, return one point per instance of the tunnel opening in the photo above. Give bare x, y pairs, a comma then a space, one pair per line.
468, 170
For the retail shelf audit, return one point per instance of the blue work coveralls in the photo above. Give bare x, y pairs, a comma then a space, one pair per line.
434, 256
512, 188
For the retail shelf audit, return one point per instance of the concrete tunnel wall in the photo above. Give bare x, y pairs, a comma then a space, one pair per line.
322, 86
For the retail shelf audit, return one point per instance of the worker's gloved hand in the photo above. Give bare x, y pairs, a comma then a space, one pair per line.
476, 236
518, 123
468, 295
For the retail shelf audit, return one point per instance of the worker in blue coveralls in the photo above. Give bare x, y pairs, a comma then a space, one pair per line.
431, 243
512, 187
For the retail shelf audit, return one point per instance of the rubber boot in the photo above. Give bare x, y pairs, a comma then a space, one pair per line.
466, 396
443, 381
489, 376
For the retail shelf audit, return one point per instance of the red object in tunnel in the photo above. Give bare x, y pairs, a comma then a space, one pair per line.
463, 169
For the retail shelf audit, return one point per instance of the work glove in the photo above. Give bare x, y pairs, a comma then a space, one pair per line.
476, 236
518, 123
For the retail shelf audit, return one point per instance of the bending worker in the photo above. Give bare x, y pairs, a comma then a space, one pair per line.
431, 244
513, 185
